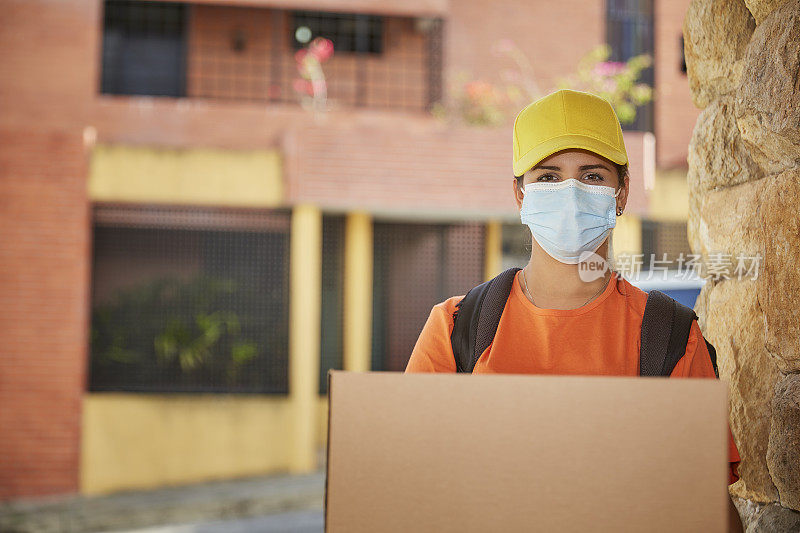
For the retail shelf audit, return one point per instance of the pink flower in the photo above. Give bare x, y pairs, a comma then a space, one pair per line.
609, 68
321, 48
300, 55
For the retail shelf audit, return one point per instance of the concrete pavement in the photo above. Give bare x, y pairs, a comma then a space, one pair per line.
198, 504
292, 522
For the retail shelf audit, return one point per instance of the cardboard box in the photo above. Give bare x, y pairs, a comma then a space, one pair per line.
458, 452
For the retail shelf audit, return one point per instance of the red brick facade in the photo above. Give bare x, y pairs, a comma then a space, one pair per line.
412, 168
47, 78
675, 113
393, 79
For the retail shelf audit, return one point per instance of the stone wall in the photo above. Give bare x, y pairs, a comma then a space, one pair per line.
743, 60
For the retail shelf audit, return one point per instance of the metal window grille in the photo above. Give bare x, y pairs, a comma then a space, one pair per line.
415, 267
435, 54
332, 297
629, 32
189, 300
144, 48
350, 32
659, 238
247, 54
516, 245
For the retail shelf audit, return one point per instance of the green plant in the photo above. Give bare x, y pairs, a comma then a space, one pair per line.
481, 103
617, 82
476, 102
206, 332
193, 347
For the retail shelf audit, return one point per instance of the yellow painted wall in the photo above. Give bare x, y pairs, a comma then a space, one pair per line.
247, 178
627, 236
145, 441
358, 250
305, 298
493, 253
669, 199
322, 428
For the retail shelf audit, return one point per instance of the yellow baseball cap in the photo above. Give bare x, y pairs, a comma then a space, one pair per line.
566, 119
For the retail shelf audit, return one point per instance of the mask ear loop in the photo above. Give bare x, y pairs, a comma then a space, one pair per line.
617, 209
612, 266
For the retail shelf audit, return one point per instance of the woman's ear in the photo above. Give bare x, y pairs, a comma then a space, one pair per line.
518, 192
622, 199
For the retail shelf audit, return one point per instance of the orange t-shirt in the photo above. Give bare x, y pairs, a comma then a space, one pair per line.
599, 338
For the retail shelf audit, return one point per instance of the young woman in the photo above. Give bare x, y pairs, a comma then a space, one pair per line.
570, 183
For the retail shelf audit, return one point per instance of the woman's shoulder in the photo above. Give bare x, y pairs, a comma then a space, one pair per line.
635, 298
448, 306
442, 314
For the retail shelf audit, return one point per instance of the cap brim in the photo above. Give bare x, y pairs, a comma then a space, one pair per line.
563, 142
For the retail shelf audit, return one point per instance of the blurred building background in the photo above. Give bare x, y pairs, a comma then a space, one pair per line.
185, 250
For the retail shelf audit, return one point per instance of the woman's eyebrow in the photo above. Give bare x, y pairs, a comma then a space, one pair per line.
588, 167
544, 167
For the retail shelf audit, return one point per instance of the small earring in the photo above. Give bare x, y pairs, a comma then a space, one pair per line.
619, 211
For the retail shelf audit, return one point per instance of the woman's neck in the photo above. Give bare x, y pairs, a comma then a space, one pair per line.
557, 285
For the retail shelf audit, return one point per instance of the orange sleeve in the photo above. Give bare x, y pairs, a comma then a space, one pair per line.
696, 363
432, 352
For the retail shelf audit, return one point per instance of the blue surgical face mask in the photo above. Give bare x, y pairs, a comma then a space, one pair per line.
569, 217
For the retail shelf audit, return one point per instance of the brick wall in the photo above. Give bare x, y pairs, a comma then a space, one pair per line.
46, 74
554, 36
388, 7
674, 110
402, 170
471, 28
415, 169
395, 78
214, 69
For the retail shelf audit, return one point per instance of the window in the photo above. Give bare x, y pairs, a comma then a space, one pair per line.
350, 32
516, 245
629, 32
331, 339
144, 48
240, 53
415, 267
189, 300
659, 238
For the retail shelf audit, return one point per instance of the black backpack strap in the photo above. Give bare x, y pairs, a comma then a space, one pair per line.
712, 352
477, 317
665, 332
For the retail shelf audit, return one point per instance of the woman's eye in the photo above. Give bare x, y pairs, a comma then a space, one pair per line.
547, 177
594, 176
